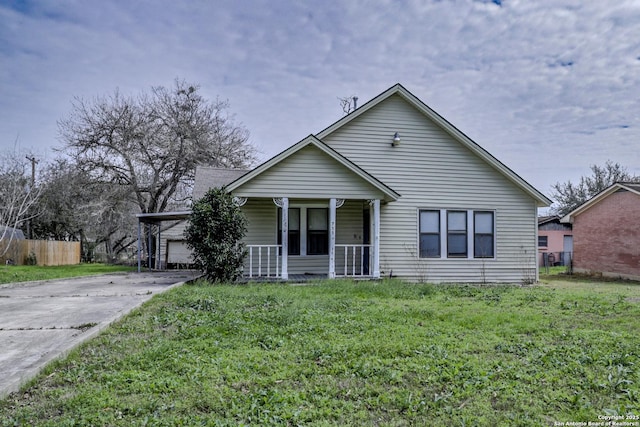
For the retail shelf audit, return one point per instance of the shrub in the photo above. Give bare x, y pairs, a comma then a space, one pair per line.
31, 259
214, 233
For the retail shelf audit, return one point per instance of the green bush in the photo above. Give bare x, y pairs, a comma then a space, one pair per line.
31, 259
216, 228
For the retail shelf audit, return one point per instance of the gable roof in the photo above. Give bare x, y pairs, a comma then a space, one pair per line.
389, 194
633, 187
546, 219
400, 90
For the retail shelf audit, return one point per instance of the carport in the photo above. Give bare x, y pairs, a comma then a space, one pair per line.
155, 220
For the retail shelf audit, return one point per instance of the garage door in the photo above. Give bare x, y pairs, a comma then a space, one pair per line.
178, 252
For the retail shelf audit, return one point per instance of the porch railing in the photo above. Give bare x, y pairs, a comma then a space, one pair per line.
357, 260
264, 260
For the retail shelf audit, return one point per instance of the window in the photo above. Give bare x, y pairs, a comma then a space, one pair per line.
317, 231
543, 241
308, 231
483, 235
429, 234
456, 234
294, 230
463, 238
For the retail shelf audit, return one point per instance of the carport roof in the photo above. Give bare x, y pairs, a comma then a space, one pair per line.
153, 218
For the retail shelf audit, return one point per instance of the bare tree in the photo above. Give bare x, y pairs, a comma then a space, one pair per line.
17, 195
568, 196
151, 144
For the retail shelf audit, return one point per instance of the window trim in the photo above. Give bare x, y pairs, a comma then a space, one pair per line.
470, 233
458, 232
492, 234
546, 240
279, 230
430, 233
324, 233
303, 226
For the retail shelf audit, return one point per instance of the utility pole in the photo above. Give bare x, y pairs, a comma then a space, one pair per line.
33, 161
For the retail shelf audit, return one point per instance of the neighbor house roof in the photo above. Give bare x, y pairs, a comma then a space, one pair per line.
312, 140
546, 219
400, 90
11, 233
633, 187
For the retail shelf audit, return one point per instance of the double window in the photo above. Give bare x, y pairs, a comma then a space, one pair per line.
308, 231
456, 233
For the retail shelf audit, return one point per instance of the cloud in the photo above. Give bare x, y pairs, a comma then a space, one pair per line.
549, 87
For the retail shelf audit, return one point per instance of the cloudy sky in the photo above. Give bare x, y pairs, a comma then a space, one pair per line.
548, 87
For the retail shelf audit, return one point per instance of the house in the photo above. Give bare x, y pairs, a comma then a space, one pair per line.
555, 241
391, 189
606, 232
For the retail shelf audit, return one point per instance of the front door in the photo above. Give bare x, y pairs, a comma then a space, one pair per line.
567, 247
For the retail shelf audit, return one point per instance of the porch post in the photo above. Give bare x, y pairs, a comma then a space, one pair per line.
285, 238
376, 239
139, 248
332, 238
149, 248
158, 260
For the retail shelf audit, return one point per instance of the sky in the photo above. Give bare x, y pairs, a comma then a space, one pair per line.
549, 87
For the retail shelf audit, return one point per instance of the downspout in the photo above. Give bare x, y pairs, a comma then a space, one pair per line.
535, 240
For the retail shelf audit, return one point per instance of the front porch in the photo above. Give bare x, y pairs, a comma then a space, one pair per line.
330, 238
311, 210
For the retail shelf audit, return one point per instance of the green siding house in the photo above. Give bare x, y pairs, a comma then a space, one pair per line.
390, 190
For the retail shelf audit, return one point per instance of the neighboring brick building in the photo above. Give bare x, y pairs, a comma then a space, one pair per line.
606, 232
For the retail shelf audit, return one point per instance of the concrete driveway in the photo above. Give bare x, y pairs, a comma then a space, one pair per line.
40, 321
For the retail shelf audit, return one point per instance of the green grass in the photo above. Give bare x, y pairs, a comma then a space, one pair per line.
27, 273
551, 271
344, 353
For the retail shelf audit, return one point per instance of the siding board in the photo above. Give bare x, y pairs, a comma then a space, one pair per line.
432, 170
309, 173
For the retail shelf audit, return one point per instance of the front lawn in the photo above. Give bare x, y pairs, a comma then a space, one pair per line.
27, 273
344, 353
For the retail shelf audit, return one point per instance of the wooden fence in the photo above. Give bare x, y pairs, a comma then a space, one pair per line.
45, 252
